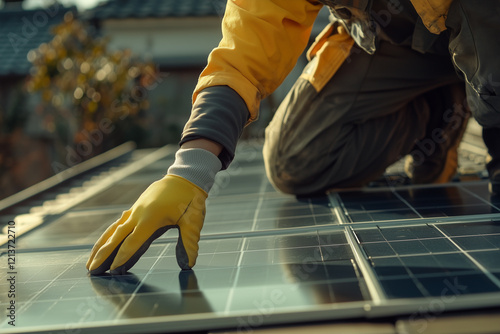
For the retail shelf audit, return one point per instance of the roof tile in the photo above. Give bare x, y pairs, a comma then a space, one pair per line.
22, 31
118, 9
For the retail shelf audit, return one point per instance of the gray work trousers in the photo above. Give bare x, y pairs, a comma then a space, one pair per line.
374, 109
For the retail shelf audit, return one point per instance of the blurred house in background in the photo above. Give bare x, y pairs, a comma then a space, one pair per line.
177, 36
26, 144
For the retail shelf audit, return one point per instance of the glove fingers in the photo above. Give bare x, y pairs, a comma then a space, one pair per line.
133, 248
189, 235
106, 235
106, 253
106, 264
184, 260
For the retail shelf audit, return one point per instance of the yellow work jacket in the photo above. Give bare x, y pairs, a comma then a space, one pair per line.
262, 41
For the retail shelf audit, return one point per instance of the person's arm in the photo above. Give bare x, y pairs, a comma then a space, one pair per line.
207, 145
261, 43
218, 115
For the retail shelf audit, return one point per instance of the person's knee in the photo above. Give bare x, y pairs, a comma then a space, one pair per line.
283, 175
295, 173
282, 185
298, 174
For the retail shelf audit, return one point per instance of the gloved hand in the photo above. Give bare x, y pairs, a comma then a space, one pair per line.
172, 202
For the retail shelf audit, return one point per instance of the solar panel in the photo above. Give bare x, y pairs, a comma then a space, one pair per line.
429, 260
420, 202
265, 258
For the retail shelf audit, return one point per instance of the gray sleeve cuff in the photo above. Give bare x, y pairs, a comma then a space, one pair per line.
197, 166
218, 114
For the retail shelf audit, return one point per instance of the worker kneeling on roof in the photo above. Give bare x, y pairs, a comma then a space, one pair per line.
385, 79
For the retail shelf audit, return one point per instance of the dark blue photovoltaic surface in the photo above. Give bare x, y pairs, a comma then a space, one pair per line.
297, 259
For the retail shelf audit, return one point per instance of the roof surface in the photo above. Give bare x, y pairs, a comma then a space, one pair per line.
406, 255
121, 9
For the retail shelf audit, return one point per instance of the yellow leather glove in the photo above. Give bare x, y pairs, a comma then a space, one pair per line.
172, 202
